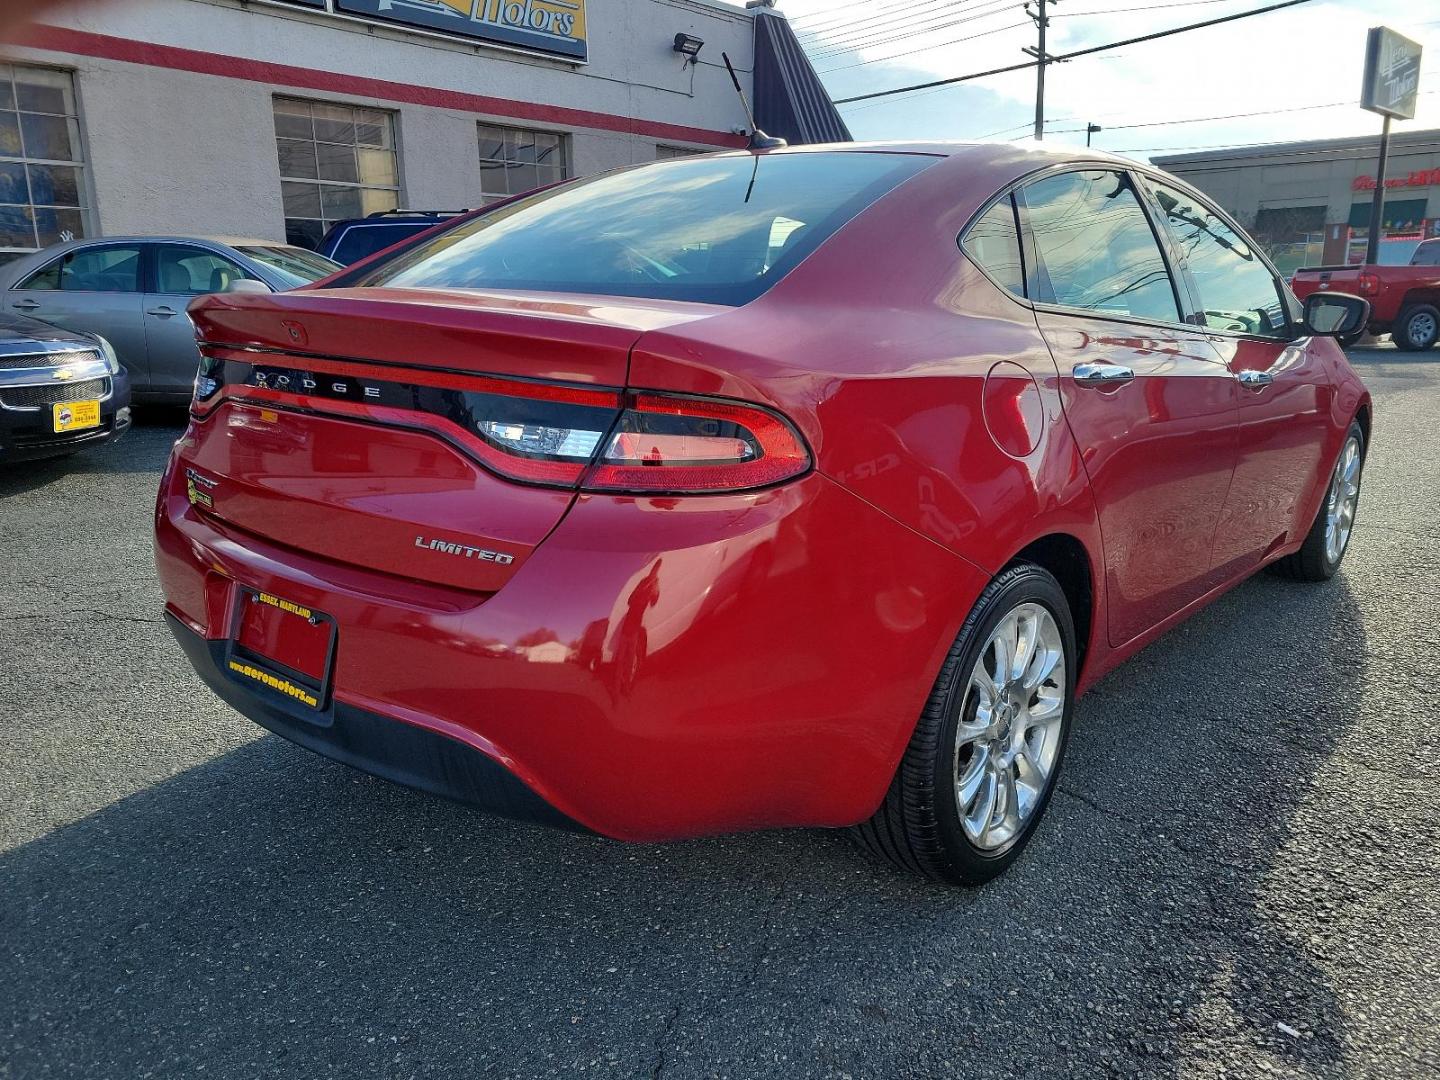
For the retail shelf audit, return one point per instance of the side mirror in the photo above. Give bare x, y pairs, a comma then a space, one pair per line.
247, 285
1332, 314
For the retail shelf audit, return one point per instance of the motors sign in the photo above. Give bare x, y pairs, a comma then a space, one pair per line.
552, 26
1392, 74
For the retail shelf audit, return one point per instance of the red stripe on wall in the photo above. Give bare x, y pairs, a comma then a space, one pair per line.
66, 40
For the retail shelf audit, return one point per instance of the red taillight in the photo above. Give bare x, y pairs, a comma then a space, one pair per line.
692, 445
534, 432
1368, 284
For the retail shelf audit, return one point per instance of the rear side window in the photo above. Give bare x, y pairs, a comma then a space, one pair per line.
103, 269
993, 241
1427, 254
1096, 247
1237, 290
717, 229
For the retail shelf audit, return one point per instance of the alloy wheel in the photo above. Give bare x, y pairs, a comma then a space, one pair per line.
1009, 731
1421, 329
1341, 501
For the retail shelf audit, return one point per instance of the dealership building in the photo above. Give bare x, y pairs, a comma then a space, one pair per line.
1309, 202
275, 118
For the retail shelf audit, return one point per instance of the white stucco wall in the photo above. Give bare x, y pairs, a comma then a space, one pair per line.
176, 151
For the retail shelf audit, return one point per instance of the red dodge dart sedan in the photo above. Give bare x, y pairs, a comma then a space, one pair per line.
807, 487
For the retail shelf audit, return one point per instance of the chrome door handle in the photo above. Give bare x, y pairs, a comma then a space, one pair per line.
26, 305
163, 312
1102, 375
1254, 380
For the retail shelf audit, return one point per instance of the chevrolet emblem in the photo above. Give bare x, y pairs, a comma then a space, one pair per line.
64, 373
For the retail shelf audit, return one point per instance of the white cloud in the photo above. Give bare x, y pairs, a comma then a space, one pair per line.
1311, 54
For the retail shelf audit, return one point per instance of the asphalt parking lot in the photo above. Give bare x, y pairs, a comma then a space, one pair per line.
1240, 877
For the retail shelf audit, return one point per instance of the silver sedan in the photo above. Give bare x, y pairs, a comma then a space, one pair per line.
132, 291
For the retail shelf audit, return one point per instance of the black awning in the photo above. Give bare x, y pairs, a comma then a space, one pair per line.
789, 100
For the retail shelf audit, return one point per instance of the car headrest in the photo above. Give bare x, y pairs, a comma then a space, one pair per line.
174, 278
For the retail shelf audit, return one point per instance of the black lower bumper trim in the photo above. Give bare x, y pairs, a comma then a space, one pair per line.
390, 749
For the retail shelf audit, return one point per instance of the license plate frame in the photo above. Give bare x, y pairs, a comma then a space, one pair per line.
67, 416
270, 676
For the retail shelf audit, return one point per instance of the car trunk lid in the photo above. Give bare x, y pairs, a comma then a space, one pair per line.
352, 425
572, 339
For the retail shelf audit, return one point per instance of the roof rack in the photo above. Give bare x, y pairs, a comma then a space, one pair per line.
417, 213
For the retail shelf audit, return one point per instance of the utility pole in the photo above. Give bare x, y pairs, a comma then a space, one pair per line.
1042, 20
1377, 205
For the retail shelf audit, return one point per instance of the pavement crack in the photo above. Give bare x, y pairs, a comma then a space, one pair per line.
762, 954
1098, 807
666, 1030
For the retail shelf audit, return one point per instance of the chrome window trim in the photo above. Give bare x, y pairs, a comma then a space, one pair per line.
1014, 187
1282, 287
74, 248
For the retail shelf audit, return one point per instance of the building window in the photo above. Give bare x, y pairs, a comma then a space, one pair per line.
336, 162
668, 153
513, 160
42, 190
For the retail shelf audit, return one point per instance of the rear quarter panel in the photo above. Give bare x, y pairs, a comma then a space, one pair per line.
921, 386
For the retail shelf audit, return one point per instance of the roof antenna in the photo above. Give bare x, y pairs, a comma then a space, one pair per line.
758, 139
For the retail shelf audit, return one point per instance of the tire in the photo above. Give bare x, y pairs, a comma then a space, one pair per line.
920, 825
1416, 328
1320, 555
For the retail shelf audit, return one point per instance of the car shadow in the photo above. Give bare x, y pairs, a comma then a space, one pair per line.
142, 449
271, 913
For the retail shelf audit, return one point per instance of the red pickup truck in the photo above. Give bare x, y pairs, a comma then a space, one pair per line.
1404, 300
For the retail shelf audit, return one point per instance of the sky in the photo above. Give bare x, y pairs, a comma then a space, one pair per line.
1299, 67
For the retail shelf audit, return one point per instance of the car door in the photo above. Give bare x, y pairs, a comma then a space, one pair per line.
1284, 388
1150, 405
96, 289
180, 273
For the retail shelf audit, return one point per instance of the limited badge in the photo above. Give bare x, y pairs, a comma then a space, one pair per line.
198, 488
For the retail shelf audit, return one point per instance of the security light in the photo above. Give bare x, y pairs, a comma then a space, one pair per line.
688, 45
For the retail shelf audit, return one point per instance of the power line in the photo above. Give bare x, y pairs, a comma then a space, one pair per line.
1078, 52
1205, 119
1145, 7
844, 7
1293, 146
918, 94
881, 13
899, 33
833, 53
923, 48
1017, 127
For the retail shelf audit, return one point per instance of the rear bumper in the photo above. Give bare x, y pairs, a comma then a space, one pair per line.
28, 434
656, 669
402, 753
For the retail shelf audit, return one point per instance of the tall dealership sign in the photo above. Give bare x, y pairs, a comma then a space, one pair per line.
549, 26
1391, 84
1392, 74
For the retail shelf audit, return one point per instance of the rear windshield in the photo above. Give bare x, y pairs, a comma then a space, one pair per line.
719, 230
361, 241
295, 266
